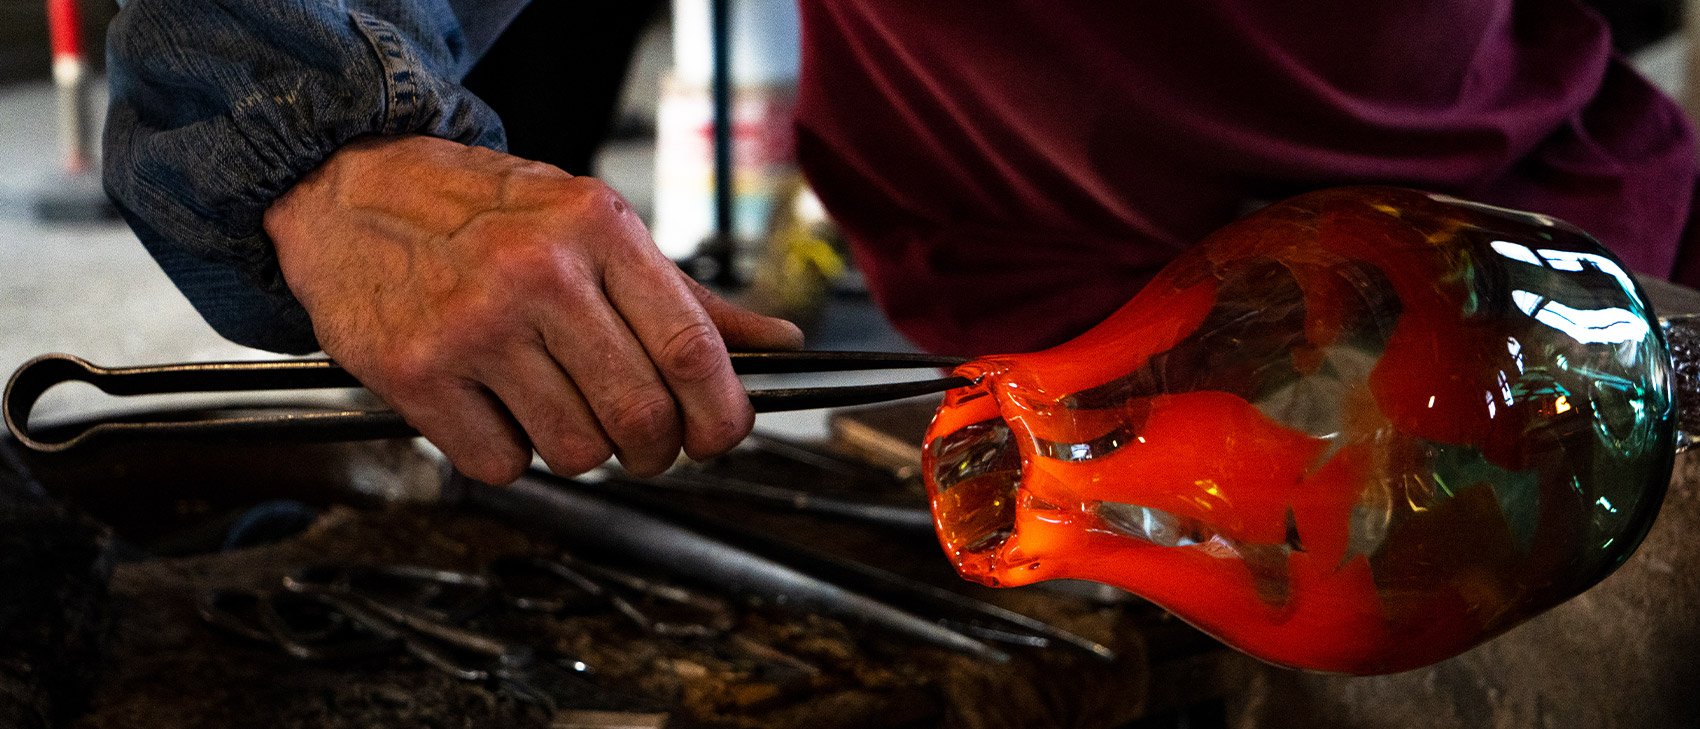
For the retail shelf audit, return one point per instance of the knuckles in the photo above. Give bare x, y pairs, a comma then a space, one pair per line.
588, 209
644, 427
569, 441
694, 354
643, 415
538, 266
570, 199
555, 247
592, 200
411, 371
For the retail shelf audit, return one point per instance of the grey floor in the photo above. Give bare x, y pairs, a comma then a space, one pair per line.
91, 290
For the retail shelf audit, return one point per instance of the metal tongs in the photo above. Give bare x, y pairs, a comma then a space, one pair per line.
43, 373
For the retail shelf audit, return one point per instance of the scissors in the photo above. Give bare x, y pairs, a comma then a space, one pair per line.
565, 585
348, 612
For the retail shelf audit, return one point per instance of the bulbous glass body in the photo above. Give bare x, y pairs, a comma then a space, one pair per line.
1358, 431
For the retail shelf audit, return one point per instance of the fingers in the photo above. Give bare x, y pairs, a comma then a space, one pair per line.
688, 378
612, 370
465, 423
682, 342
498, 305
550, 408
742, 329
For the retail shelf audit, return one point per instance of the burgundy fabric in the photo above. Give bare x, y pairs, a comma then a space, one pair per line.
1010, 172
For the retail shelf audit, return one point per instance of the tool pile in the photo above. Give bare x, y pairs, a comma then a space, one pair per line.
806, 590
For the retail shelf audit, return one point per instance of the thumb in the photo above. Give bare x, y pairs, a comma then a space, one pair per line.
743, 329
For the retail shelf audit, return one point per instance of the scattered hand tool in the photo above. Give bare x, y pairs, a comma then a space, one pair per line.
599, 523
347, 612
953, 610
564, 584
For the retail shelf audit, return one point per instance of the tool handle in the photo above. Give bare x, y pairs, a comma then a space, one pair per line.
840, 396
790, 362
837, 396
43, 373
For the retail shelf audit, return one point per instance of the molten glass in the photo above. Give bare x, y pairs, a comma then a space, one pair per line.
1359, 431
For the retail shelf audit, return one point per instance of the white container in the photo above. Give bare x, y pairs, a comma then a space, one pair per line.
765, 41
764, 77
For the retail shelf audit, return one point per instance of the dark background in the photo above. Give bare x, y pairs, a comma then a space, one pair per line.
1637, 23
23, 36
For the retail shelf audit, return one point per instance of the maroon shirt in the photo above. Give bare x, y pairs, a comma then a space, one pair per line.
1011, 172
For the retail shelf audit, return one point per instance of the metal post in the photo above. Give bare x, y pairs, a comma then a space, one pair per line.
71, 80
725, 241
73, 193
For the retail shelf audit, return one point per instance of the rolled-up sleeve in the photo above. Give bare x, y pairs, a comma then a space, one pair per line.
219, 107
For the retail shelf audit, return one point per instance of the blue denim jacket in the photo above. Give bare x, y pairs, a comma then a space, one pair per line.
219, 106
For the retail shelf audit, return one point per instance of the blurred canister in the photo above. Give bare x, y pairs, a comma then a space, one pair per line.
764, 64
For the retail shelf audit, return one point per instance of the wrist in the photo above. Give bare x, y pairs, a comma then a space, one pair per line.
354, 172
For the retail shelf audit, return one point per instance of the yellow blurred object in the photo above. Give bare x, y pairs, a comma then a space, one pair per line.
800, 260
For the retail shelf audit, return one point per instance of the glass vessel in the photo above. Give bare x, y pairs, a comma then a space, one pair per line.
1358, 431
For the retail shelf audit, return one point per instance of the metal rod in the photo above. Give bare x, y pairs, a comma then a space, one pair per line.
916, 518
599, 524
725, 241
839, 396
900, 591
763, 363
43, 373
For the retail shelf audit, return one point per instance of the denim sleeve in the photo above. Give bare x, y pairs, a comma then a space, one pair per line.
218, 107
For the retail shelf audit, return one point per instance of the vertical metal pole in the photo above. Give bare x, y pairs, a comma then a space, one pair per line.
725, 242
74, 194
64, 28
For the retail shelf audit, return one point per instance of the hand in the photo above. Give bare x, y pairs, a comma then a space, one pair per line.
502, 305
